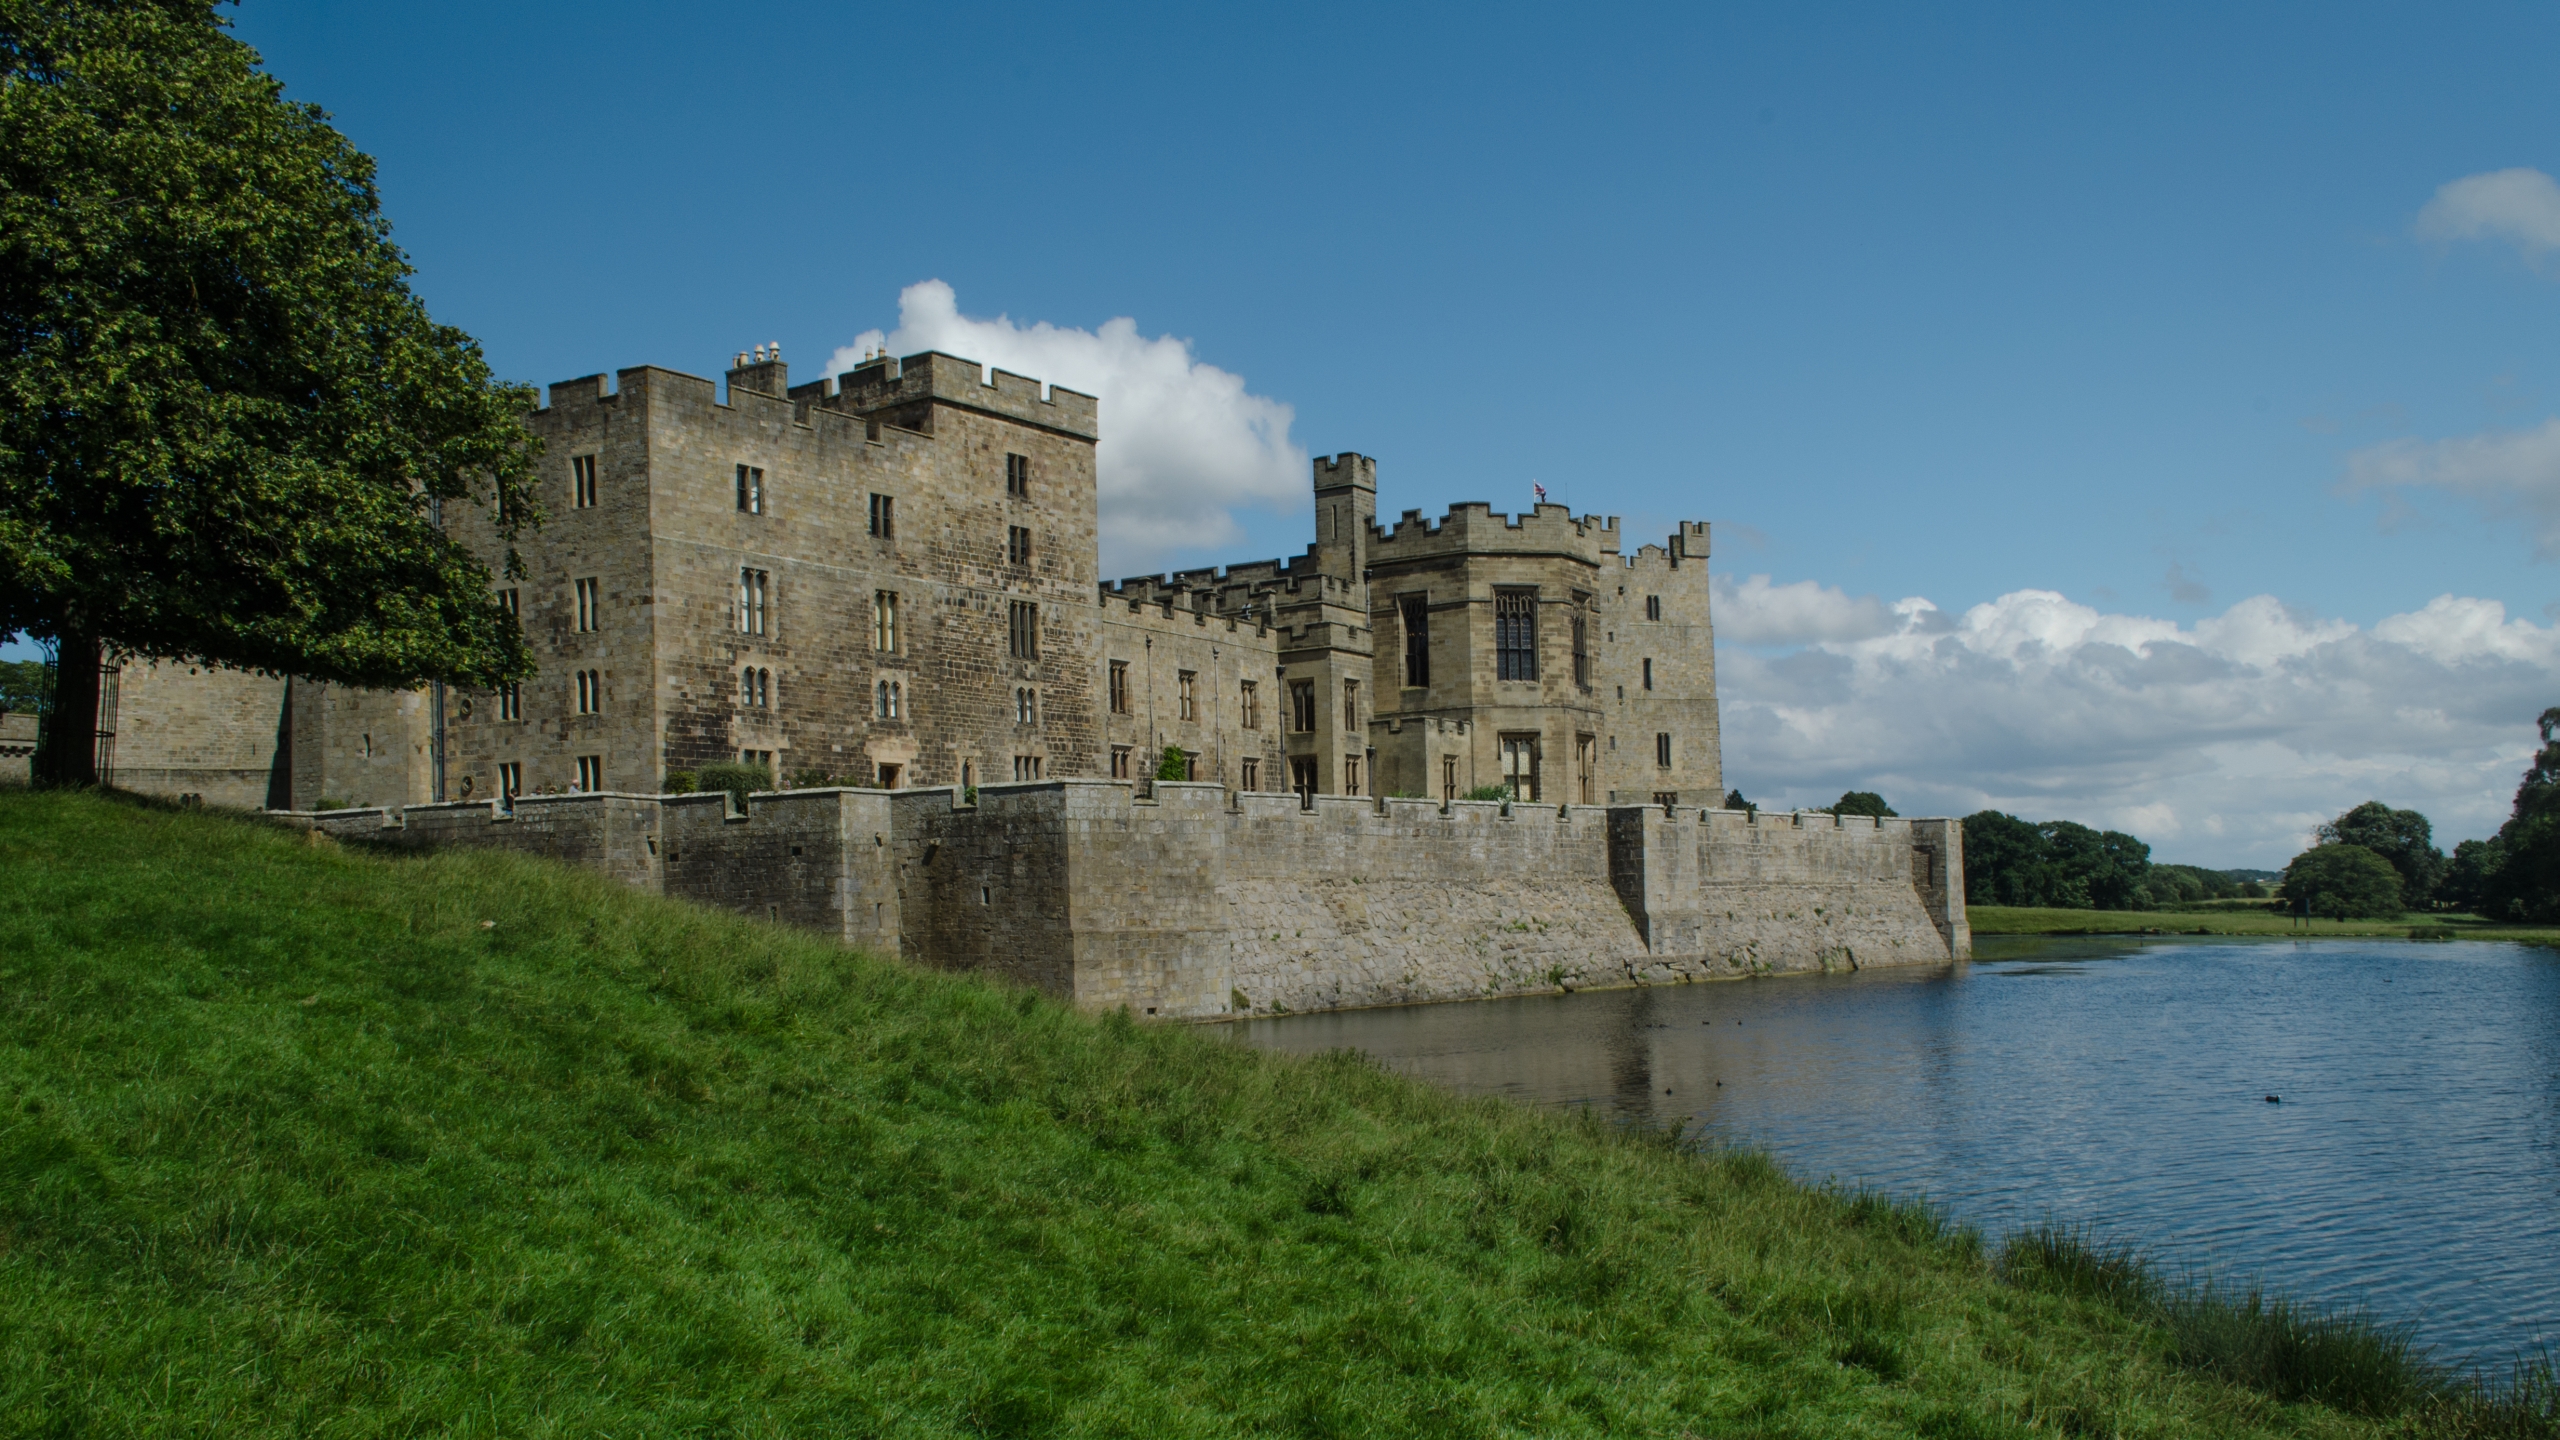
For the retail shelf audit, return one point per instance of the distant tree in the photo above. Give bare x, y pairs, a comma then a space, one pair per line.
2473, 875
24, 686
1733, 801
1861, 802
1174, 765
2170, 886
2402, 837
2522, 872
2058, 864
2342, 882
2000, 854
226, 425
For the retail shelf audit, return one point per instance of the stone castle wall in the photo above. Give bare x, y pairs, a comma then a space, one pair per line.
1196, 902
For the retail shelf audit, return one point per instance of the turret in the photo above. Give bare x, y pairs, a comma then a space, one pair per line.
1346, 509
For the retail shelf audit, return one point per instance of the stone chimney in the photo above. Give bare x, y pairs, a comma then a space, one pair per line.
762, 371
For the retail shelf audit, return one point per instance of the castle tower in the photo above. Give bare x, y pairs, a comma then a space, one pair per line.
1346, 508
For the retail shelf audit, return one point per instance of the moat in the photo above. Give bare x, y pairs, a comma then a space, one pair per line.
2411, 1161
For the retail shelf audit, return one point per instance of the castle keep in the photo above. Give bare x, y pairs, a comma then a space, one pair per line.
883, 585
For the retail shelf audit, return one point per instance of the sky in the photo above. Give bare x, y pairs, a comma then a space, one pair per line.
2148, 417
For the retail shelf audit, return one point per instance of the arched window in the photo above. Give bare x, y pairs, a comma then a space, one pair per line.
882, 697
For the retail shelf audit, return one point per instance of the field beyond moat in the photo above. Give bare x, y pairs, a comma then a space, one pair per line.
302, 1139
2237, 919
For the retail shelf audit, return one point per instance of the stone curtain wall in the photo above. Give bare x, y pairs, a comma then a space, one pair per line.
1197, 903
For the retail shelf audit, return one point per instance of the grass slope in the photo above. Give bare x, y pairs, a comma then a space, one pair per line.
300, 1140
2022, 920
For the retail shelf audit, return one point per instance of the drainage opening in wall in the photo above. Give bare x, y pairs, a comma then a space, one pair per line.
986, 895
1151, 1009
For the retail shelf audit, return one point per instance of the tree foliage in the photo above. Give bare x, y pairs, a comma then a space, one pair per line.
1173, 764
226, 425
2402, 837
2515, 875
1734, 800
1861, 802
2342, 882
2057, 864
740, 778
24, 686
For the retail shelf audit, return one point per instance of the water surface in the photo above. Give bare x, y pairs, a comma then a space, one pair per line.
2411, 1161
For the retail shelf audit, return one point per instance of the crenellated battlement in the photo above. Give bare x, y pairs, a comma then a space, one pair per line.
1194, 901
1691, 544
1475, 528
936, 378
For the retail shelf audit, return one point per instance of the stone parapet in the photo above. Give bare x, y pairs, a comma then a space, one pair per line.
1194, 902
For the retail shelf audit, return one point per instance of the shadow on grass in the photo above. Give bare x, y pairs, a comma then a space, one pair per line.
2346, 1359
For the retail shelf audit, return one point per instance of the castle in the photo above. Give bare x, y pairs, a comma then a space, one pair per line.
883, 586
889, 579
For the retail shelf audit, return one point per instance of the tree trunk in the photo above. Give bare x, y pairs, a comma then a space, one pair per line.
71, 729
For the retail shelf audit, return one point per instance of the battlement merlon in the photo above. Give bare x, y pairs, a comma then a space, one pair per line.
1690, 542
936, 378
1474, 527
1346, 471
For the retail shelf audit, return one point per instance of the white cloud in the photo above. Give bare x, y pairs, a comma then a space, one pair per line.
2508, 473
1183, 442
1756, 612
2223, 742
2520, 206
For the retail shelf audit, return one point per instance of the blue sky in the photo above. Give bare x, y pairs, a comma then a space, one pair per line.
1955, 303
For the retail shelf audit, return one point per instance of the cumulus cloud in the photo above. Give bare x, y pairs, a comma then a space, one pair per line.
2221, 742
2520, 206
1756, 612
2510, 474
1184, 444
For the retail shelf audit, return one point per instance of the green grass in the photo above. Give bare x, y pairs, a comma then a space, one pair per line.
2345, 1359
302, 1140
2022, 920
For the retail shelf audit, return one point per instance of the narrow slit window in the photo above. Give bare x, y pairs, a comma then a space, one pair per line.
1187, 695
1022, 639
582, 481
1662, 751
1017, 545
884, 517
884, 621
590, 606
1249, 707
753, 588
1415, 611
590, 773
750, 490
1017, 475
1119, 687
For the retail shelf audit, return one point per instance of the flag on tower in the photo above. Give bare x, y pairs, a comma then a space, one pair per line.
1541, 489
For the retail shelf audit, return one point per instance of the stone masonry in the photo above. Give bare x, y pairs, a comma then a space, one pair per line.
1196, 902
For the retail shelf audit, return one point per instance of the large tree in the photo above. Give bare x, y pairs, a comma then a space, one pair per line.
226, 425
2515, 875
2342, 882
2402, 837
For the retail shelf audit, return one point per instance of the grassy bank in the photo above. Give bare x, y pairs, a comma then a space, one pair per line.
301, 1140
2016, 920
